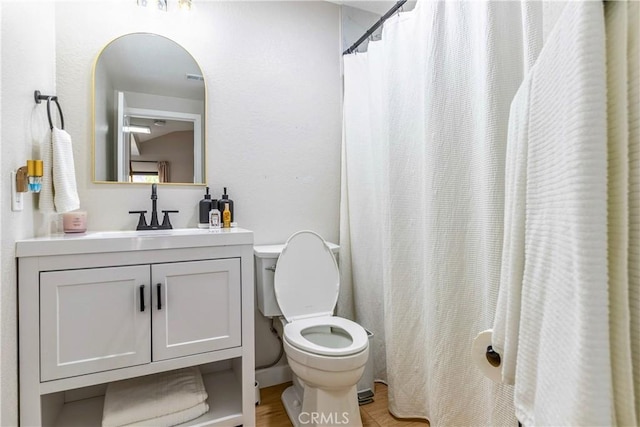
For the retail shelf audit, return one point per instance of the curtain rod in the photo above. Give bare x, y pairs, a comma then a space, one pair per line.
375, 26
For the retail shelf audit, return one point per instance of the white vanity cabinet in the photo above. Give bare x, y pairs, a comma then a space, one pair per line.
104, 307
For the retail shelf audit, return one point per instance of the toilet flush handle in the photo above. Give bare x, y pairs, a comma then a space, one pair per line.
272, 268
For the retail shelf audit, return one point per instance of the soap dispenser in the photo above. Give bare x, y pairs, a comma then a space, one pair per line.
204, 207
226, 200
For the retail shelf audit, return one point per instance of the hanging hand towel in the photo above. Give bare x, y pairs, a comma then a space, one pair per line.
65, 195
59, 190
45, 202
553, 291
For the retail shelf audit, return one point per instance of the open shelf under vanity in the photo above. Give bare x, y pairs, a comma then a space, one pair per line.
225, 405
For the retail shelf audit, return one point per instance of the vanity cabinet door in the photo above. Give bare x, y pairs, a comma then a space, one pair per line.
196, 307
94, 320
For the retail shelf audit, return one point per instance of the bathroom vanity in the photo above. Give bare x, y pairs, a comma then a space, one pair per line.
108, 306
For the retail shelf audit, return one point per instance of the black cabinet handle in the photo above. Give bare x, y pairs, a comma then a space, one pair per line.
159, 289
141, 297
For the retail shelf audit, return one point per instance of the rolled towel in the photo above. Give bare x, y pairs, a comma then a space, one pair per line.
152, 397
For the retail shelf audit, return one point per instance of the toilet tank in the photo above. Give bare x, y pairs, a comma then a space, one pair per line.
266, 258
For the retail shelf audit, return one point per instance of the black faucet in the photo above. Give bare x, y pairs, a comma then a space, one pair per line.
142, 221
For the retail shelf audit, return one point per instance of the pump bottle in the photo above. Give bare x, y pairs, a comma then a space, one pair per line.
204, 207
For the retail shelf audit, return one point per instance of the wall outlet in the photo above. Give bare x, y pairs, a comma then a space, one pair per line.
17, 202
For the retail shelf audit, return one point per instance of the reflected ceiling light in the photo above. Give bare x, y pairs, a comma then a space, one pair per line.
184, 4
136, 129
197, 77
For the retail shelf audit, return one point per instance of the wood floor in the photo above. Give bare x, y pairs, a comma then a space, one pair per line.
271, 413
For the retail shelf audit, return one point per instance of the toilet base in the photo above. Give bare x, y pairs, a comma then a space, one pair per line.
320, 408
292, 404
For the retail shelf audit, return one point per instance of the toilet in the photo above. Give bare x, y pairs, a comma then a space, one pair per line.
326, 353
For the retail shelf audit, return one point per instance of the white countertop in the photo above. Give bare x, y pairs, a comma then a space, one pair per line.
121, 241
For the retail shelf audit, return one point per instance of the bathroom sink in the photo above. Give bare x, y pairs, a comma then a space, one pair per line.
131, 240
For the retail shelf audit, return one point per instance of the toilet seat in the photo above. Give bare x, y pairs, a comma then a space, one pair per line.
307, 283
293, 333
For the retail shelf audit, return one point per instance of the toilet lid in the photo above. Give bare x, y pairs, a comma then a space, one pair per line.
307, 280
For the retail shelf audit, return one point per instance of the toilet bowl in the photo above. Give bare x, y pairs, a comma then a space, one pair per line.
326, 353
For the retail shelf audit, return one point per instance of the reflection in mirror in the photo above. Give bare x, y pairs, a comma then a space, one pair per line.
149, 109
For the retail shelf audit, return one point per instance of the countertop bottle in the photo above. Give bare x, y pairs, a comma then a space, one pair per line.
214, 219
226, 200
226, 216
204, 207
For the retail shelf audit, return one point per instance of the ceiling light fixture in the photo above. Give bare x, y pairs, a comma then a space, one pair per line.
136, 129
163, 4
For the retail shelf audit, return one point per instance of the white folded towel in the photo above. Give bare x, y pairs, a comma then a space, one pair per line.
153, 398
175, 418
59, 190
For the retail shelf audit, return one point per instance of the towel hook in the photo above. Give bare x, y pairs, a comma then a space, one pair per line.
39, 97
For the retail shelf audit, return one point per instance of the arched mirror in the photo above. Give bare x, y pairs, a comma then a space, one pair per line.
148, 112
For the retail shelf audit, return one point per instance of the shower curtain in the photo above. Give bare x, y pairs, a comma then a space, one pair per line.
622, 22
425, 127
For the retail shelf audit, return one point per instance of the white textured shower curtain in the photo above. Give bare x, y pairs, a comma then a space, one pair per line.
425, 127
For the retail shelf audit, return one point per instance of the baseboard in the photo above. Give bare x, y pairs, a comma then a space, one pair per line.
274, 375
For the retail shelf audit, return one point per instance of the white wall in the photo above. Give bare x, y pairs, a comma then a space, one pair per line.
355, 23
273, 133
28, 63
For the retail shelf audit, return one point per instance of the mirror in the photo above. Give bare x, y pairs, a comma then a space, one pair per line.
148, 112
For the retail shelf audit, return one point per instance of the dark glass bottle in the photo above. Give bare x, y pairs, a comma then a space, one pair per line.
204, 207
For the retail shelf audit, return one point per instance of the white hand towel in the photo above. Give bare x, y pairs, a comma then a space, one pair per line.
555, 250
59, 190
45, 202
64, 173
152, 397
